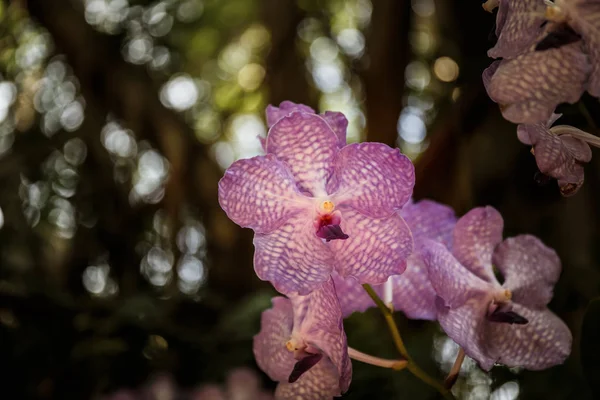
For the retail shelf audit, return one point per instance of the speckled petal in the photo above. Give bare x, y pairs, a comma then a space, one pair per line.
476, 235
269, 344
274, 114
466, 326
584, 18
529, 87
376, 248
338, 123
259, 193
489, 72
452, 282
518, 25
530, 269
412, 291
557, 156
542, 343
428, 219
372, 178
319, 383
308, 145
321, 327
352, 296
292, 257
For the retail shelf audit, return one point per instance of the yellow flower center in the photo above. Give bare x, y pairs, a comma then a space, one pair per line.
327, 206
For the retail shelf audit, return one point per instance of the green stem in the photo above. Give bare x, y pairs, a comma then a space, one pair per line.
412, 366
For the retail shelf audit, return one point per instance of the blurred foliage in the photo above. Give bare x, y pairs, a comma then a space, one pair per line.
117, 118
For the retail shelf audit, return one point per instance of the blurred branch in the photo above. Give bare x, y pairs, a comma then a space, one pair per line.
388, 53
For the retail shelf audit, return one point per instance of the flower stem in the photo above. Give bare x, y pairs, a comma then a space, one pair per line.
412, 366
378, 362
453, 374
576, 133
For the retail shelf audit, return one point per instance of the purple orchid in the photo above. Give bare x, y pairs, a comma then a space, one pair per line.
505, 323
302, 345
559, 152
544, 65
412, 291
317, 205
241, 384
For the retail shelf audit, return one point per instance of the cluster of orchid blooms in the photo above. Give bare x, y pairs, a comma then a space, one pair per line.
550, 54
335, 229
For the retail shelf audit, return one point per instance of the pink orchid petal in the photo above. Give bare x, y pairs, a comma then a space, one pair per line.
518, 25
452, 282
530, 86
352, 296
542, 343
292, 257
306, 143
430, 220
338, 123
274, 114
376, 248
259, 193
476, 235
372, 178
269, 344
530, 269
319, 383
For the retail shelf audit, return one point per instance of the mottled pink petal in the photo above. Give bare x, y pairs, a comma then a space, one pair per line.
338, 123
269, 344
375, 249
518, 25
431, 220
529, 87
530, 269
321, 327
412, 291
488, 73
476, 235
559, 156
292, 257
352, 296
274, 114
452, 282
372, 178
259, 193
319, 383
308, 145
542, 343
466, 326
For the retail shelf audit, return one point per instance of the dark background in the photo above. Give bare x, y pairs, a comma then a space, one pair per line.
117, 118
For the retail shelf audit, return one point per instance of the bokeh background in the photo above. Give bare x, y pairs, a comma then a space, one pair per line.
117, 118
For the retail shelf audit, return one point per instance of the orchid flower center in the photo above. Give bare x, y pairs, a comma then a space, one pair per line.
500, 309
306, 356
327, 222
554, 12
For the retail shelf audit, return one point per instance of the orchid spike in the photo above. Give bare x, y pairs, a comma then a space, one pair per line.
316, 206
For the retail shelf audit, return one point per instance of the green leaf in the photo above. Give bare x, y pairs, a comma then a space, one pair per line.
590, 346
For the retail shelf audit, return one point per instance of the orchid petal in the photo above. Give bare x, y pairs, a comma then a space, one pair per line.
452, 282
259, 193
292, 257
430, 220
269, 344
274, 114
542, 343
319, 383
319, 323
372, 178
308, 145
338, 123
476, 235
529, 87
530, 269
465, 325
375, 249
352, 296
518, 25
